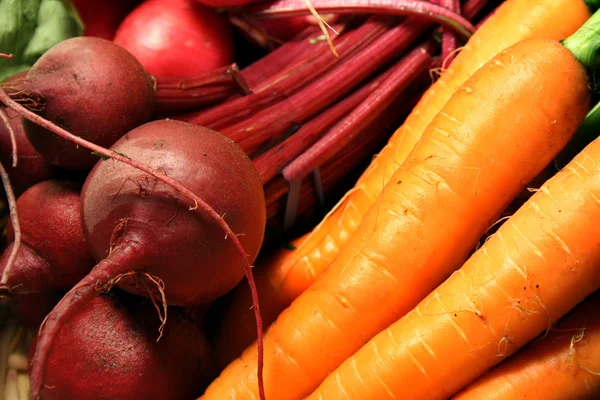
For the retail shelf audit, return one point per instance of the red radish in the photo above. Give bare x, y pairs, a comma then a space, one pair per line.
146, 231
89, 86
177, 37
109, 351
53, 255
101, 18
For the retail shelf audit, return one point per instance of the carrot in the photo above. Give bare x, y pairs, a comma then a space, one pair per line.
516, 111
542, 262
564, 365
296, 270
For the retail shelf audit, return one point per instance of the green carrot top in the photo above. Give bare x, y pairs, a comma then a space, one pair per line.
585, 43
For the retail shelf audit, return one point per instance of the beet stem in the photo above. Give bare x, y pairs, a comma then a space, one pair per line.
272, 161
280, 58
14, 218
13, 138
416, 8
283, 84
251, 134
449, 39
473, 7
404, 72
323, 25
215, 76
198, 203
244, 23
208, 88
239, 80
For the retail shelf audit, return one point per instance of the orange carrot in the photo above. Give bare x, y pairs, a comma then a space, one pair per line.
294, 271
564, 365
497, 132
541, 263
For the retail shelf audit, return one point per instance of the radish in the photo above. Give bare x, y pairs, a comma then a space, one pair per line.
53, 254
89, 86
101, 18
109, 351
177, 37
153, 244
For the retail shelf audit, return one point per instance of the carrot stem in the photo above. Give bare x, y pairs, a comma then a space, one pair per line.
592, 4
441, 15
403, 73
585, 43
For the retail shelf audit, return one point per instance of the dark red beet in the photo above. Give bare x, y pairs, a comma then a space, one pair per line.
145, 229
109, 351
31, 166
149, 226
93, 88
53, 255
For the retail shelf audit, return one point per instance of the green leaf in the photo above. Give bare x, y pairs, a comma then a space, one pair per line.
30, 27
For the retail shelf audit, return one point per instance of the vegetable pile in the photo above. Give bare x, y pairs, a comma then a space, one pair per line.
301, 199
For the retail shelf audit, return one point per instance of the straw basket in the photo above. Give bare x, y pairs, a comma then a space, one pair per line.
14, 346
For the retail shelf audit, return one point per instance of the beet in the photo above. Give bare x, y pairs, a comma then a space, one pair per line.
109, 351
31, 166
156, 244
149, 226
89, 86
53, 255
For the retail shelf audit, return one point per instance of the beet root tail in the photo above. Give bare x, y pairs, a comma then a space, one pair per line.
100, 280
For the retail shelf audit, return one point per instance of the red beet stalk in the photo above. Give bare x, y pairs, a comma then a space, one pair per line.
279, 59
273, 160
174, 94
336, 169
402, 74
434, 12
449, 39
270, 123
228, 113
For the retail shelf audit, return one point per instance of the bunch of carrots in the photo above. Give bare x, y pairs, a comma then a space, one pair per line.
395, 295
